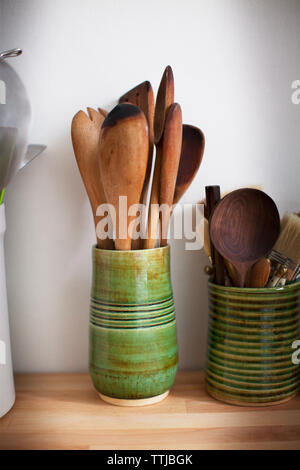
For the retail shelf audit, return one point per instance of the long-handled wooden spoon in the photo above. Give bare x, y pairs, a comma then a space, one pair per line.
85, 133
171, 150
123, 151
244, 228
143, 97
193, 143
165, 98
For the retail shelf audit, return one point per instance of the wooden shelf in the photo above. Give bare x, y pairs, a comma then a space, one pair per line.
63, 411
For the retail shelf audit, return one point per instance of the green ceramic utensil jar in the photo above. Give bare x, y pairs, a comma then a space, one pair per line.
250, 337
133, 341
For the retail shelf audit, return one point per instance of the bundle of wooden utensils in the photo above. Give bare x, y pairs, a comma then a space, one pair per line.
114, 153
246, 243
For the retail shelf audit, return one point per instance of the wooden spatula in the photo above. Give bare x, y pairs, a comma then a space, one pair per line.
193, 143
165, 98
171, 150
85, 137
143, 97
123, 152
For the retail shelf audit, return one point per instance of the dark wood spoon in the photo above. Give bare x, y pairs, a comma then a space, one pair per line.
244, 228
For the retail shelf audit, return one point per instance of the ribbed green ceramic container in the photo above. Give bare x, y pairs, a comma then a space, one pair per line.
133, 341
250, 338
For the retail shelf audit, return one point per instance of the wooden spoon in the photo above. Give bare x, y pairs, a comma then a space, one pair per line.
124, 146
244, 227
192, 150
171, 150
165, 98
85, 137
259, 274
143, 97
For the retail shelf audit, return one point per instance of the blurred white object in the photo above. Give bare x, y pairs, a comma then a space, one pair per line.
7, 390
15, 153
15, 115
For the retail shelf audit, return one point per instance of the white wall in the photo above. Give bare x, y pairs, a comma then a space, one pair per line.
233, 61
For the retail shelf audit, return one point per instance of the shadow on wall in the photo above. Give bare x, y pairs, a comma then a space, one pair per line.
190, 303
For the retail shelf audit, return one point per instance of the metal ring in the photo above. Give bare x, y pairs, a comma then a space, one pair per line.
10, 53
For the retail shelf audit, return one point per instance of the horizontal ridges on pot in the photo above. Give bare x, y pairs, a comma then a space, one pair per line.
250, 338
108, 315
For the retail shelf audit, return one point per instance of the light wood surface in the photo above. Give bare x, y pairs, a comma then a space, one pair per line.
65, 412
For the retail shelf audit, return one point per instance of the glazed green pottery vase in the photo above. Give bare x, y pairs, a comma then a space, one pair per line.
133, 340
250, 337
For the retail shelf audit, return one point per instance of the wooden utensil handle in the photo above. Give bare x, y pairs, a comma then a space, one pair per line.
213, 195
153, 212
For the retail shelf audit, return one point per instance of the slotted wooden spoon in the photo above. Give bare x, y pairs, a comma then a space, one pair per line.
123, 152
